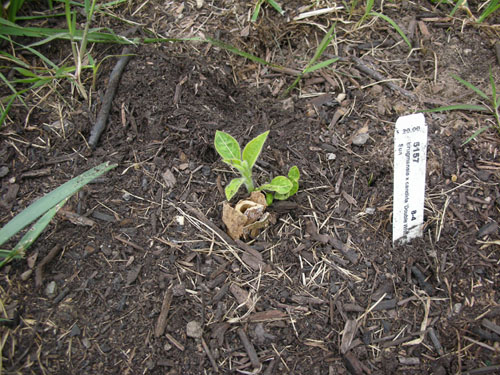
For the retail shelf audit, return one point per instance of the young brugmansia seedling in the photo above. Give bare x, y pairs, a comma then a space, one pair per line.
228, 148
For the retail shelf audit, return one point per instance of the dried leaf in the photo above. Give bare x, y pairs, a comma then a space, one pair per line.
247, 218
169, 178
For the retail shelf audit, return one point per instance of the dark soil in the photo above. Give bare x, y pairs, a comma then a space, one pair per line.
320, 291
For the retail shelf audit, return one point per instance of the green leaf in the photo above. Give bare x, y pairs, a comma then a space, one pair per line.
393, 24
253, 149
269, 199
293, 173
232, 188
280, 184
462, 107
227, 146
471, 87
281, 197
41, 206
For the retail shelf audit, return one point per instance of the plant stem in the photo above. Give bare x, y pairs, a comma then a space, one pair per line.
247, 180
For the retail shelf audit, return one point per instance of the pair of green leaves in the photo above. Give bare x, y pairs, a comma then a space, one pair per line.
230, 151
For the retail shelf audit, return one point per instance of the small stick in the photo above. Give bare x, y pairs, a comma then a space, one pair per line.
161, 323
114, 79
379, 77
48, 258
459, 215
435, 341
131, 244
491, 326
252, 354
209, 355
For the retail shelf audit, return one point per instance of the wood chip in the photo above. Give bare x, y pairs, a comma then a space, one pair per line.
249, 348
241, 295
132, 274
161, 323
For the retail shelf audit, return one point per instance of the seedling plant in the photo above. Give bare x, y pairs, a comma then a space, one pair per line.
280, 187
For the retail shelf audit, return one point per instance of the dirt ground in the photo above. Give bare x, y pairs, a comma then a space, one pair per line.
153, 285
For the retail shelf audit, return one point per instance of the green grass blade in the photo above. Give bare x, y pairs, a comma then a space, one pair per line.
27, 240
13, 59
238, 52
12, 88
457, 6
393, 24
476, 133
320, 65
324, 44
5, 111
493, 90
471, 87
460, 107
42, 205
492, 7
276, 6
256, 10
6, 253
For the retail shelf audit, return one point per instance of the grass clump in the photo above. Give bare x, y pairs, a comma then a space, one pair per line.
490, 105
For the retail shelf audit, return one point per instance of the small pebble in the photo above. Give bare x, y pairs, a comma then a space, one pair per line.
75, 331
4, 171
50, 289
360, 139
370, 210
194, 330
205, 171
86, 342
105, 348
331, 156
26, 275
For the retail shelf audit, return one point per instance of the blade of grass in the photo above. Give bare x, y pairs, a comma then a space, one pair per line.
476, 133
319, 51
493, 90
276, 6
5, 111
471, 87
393, 24
27, 240
322, 64
256, 10
238, 52
462, 107
492, 7
42, 205
457, 6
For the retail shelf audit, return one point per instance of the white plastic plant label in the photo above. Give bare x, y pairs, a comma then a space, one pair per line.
410, 155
